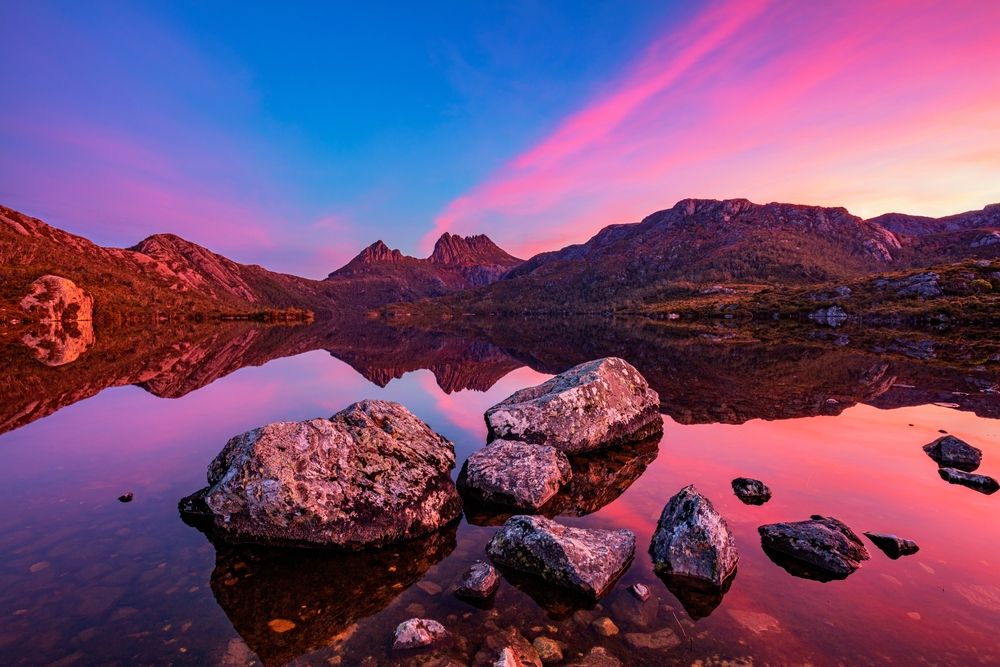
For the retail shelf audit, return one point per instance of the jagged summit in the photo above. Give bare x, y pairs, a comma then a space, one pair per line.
452, 249
378, 252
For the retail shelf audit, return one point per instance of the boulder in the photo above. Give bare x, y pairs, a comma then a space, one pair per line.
982, 483
480, 581
820, 548
751, 491
370, 475
596, 404
57, 299
693, 540
891, 545
585, 560
950, 452
417, 633
515, 474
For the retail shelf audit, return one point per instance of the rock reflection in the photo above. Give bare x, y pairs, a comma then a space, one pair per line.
288, 602
801, 569
599, 477
59, 343
699, 598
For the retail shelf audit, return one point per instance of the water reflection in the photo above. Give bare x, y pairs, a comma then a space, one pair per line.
285, 603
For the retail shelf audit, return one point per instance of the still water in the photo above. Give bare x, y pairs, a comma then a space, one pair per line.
85, 579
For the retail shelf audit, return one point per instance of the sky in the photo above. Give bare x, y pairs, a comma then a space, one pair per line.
293, 139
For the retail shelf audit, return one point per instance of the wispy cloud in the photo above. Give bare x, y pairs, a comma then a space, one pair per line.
873, 105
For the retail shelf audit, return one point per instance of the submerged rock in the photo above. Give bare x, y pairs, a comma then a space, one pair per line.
698, 597
950, 452
751, 491
417, 633
893, 546
480, 581
596, 404
586, 560
548, 649
515, 474
640, 591
693, 540
507, 647
370, 475
982, 483
821, 548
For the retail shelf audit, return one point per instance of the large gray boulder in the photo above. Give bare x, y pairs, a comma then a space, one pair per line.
515, 474
950, 452
585, 560
596, 404
821, 548
370, 475
57, 299
693, 540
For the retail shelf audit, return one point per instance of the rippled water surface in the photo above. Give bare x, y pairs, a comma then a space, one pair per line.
85, 579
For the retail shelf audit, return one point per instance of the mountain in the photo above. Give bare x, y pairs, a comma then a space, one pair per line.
951, 238
701, 242
162, 274
379, 275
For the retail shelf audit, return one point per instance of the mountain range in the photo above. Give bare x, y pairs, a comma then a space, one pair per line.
696, 242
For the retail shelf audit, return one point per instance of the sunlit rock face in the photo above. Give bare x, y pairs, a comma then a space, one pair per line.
370, 475
596, 404
58, 343
57, 299
693, 540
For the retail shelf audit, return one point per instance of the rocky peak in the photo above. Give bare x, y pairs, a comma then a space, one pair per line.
378, 252
455, 250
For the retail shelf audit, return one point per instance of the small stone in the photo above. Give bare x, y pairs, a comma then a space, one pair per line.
950, 452
982, 483
640, 591
893, 546
417, 633
598, 657
429, 587
280, 625
605, 627
507, 658
480, 581
39, 566
549, 650
661, 640
751, 491
126, 497
416, 609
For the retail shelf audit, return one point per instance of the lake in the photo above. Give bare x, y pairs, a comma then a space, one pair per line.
832, 421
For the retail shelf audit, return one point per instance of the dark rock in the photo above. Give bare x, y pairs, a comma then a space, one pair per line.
126, 497
417, 633
581, 559
370, 475
950, 452
480, 581
515, 474
821, 548
596, 404
982, 483
751, 491
893, 546
693, 540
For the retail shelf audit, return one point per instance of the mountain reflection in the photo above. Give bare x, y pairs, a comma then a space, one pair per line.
704, 374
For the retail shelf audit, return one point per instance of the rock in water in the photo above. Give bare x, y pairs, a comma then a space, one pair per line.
982, 483
751, 491
596, 404
515, 474
693, 540
417, 633
586, 560
126, 497
370, 475
821, 548
479, 582
833, 316
950, 452
58, 299
891, 545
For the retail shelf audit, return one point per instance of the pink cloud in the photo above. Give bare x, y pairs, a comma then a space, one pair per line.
873, 105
